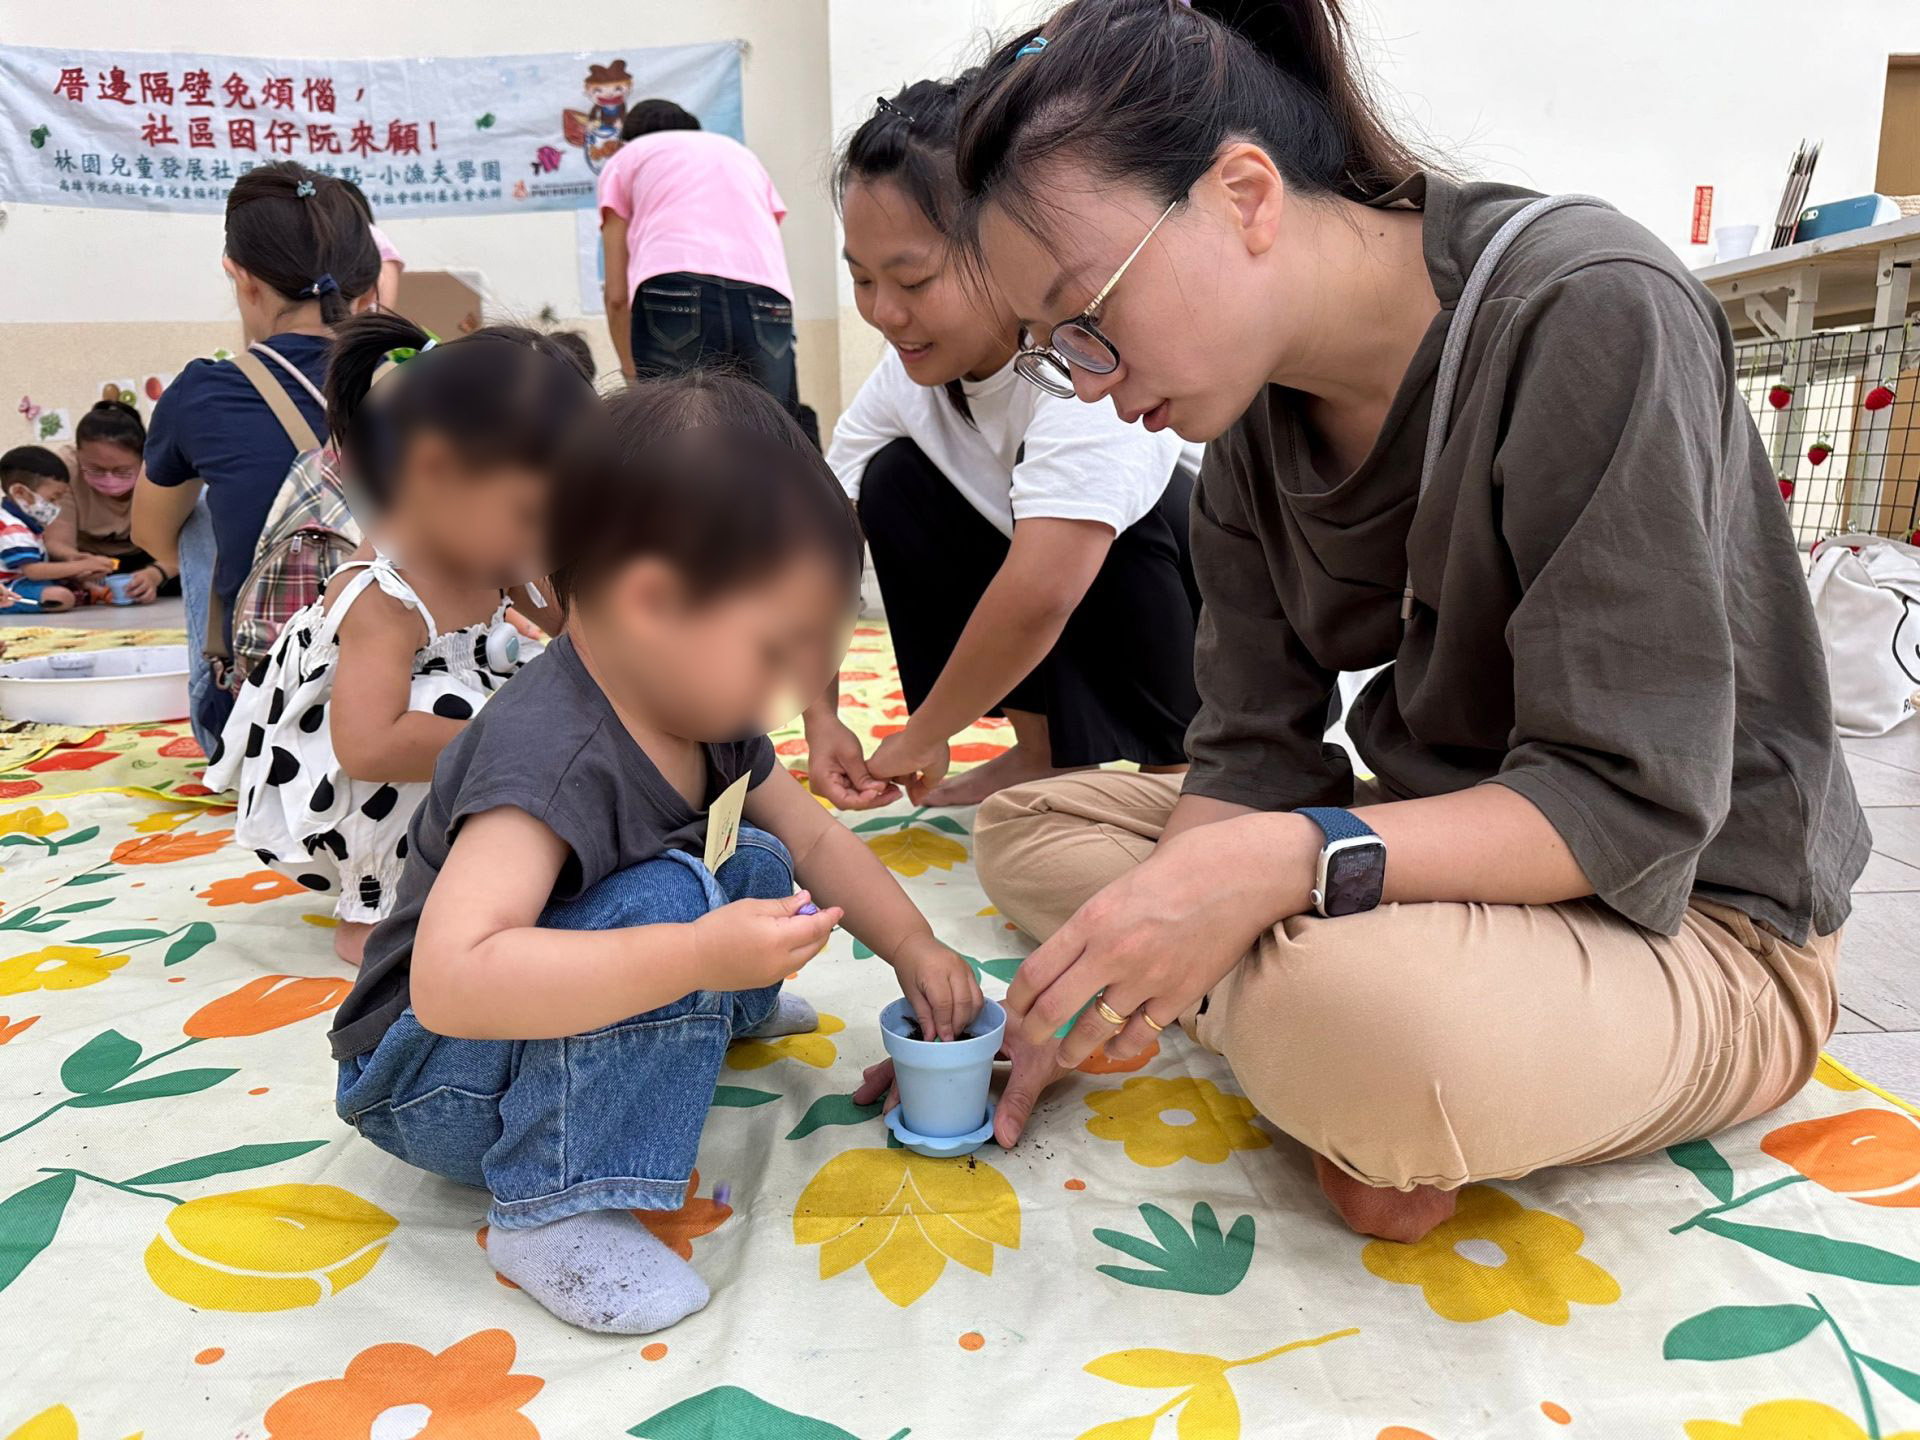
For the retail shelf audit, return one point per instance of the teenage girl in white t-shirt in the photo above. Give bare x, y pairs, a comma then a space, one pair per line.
1031, 550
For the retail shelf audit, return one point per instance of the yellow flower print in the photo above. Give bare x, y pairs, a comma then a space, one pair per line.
813, 1049
1787, 1420
56, 1422
57, 967
32, 821
916, 849
1539, 1268
274, 1248
1164, 1120
1203, 1394
162, 821
904, 1217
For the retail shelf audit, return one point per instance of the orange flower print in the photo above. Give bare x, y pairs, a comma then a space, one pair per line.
466, 1392
10, 1027
1101, 1063
251, 889
266, 1004
165, 849
678, 1229
1872, 1156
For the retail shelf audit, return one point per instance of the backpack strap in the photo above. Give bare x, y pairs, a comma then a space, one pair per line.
278, 400
1460, 331
299, 376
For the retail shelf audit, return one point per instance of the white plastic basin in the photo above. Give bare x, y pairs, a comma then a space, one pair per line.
135, 686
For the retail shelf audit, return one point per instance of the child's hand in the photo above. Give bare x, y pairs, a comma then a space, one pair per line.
939, 984
88, 566
751, 944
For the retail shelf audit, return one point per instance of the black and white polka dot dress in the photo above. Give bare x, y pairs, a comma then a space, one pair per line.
299, 811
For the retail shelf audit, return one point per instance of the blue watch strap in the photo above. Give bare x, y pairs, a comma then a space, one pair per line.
1335, 823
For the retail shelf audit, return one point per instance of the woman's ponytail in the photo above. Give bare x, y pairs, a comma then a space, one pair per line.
1147, 91
304, 235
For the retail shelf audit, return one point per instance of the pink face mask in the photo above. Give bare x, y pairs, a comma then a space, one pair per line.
110, 482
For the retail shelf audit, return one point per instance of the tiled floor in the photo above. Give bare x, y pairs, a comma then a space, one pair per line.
1880, 958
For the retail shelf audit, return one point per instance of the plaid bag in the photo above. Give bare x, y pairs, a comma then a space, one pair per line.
308, 533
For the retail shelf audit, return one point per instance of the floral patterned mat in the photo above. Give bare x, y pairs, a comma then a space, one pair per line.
191, 1245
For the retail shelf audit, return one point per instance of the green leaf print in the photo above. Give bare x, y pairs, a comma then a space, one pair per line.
1203, 1263
29, 1220
861, 951
101, 1063
885, 822
1733, 1332
78, 837
832, 1110
178, 1082
19, 919
225, 1162
1003, 970
80, 905
1905, 1381
118, 937
1821, 1255
195, 938
741, 1097
93, 877
739, 1415
1709, 1167
946, 823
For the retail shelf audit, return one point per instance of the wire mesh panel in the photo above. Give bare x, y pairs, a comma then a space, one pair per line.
1840, 415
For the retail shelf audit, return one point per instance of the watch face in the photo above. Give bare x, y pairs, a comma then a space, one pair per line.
1355, 874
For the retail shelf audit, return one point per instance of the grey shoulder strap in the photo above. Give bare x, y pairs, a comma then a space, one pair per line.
1460, 331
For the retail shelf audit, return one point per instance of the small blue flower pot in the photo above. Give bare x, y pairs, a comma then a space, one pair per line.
943, 1084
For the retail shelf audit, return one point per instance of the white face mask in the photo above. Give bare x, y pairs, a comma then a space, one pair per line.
37, 508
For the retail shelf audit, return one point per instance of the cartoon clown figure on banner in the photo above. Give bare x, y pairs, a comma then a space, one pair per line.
596, 130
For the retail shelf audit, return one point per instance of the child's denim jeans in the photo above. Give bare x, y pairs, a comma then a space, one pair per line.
606, 1120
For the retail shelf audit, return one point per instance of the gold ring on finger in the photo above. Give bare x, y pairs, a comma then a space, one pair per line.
1157, 1026
1109, 1014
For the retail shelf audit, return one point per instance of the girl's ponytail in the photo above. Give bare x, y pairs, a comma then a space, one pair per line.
361, 346
1147, 91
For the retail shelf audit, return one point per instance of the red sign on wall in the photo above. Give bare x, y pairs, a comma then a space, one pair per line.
1702, 213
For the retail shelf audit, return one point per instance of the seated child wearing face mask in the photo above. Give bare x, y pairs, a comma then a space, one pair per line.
34, 483
546, 1010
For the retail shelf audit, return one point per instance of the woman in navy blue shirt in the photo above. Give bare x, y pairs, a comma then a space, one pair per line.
299, 253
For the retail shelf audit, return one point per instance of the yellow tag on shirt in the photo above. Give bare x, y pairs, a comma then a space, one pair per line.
723, 823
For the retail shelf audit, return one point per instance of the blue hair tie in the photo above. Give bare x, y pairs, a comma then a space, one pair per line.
1032, 47
325, 285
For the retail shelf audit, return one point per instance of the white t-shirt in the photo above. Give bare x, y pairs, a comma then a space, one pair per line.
1079, 461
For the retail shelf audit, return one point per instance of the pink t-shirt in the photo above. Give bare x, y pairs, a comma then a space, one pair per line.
697, 202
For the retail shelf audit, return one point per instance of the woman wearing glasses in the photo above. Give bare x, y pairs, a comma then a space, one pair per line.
1589, 902
1032, 551
108, 441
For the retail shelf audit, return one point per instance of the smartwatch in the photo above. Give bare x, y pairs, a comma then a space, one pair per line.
1353, 863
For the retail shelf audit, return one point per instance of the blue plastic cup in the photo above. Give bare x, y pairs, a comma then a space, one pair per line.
943, 1083
120, 587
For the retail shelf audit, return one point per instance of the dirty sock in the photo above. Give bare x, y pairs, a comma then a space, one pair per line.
602, 1270
790, 1016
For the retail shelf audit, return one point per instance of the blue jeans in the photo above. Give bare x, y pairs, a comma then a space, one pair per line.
608, 1120
208, 702
683, 320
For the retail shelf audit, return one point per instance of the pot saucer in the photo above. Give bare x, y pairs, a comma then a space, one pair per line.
941, 1147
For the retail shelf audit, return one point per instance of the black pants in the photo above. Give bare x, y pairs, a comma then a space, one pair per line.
1118, 684
683, 320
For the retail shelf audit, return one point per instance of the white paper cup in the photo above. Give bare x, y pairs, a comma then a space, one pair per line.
1735, 242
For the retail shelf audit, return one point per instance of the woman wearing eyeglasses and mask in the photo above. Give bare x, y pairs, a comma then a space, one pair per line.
1032, 552
1589, 903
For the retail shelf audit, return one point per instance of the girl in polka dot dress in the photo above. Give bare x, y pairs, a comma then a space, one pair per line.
332, 741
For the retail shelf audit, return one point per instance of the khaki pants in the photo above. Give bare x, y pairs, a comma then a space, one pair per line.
1435, 1044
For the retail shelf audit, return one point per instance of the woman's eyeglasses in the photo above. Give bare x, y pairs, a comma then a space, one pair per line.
97, 472
1078, 342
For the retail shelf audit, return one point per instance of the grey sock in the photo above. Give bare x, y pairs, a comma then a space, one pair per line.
602, 1270
790, 1016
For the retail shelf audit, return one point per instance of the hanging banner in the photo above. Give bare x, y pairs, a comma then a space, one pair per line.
479, 135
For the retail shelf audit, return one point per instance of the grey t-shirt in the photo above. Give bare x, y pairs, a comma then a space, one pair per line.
1610, 614
549, 744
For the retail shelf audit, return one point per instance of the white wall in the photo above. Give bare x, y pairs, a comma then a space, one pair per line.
1641, 100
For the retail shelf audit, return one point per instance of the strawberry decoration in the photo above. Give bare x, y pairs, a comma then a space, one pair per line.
1786, 488
1780, 396
1878, 398
1818, 452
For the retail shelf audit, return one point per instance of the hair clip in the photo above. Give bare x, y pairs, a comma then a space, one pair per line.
1032, 47
892, 109
398, 356
303, 189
